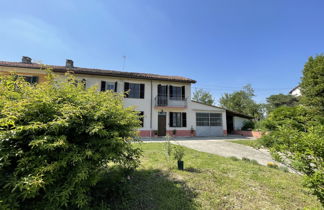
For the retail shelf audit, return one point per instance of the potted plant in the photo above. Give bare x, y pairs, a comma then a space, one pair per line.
155, 133
174, 132
192, 131
178, 155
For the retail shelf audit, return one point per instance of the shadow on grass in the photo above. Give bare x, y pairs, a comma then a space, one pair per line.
146, 189
193, 170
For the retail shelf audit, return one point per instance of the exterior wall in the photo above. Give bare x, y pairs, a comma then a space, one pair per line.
238, 122
296, 92
198, 107
24, 72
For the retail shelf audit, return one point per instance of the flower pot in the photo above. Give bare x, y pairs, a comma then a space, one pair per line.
180, 164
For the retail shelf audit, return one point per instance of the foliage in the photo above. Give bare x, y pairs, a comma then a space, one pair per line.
203, 96
312, 85
278, 100
294, 117
178, 152
305, 151
168, 147
56, 139
297, 133
248, 125
242, 102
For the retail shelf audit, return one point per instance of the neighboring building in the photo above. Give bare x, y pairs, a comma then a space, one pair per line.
295, 91
164, 101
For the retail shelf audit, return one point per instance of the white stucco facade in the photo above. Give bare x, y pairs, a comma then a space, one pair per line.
238, 122
188, 109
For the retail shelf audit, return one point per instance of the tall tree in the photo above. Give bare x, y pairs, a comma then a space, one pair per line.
278, 100
203, 96
312, 84
242, 101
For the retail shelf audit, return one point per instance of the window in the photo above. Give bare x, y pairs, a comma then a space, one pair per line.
134, 90
31, 79
141, 114
178, 119
108, 86
208, 119
177, 93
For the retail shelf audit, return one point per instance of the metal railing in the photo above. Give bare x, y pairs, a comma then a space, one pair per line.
165, 101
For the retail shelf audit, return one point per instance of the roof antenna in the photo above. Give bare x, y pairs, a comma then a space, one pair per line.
124, 62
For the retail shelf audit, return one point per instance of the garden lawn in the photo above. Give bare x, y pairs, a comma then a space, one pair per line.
252, 143
210, 182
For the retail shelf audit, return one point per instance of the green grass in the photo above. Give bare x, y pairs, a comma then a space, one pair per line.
210, 182
252, 143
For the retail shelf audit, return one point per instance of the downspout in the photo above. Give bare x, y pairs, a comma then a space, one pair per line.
151, 109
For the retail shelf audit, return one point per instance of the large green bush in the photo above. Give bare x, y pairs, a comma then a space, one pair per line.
302, 150
57, 139
296, 134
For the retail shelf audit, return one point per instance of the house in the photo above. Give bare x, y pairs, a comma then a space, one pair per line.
164, 101
295, 91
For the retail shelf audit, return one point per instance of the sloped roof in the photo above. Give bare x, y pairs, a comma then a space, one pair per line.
292, 90
100, 72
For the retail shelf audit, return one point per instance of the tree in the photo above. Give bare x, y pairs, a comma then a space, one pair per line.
57, 140
203, 96
278, 100
242, 101
312, 85
297, 133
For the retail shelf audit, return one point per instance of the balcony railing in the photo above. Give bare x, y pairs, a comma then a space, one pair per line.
165, 101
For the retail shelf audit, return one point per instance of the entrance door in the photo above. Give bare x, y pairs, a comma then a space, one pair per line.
162, 124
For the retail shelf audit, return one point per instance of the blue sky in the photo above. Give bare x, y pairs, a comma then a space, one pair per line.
223, 44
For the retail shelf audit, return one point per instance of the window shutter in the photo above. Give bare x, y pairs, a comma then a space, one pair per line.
184, 119
142, 90
103, 86
159, 90
183, 92
171, 91
171, 119
126, 88
116, 83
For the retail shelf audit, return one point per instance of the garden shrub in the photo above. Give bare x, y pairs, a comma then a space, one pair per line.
57, 140
272, 165
246, 159
234, 158
248, 125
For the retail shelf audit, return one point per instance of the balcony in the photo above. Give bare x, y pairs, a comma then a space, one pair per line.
165, 101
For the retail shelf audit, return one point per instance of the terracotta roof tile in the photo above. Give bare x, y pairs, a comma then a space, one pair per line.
101, 72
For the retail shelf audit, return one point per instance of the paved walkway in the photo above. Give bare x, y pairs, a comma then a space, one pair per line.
221, 146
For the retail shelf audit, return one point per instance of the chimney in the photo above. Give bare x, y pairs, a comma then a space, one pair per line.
26, 59
69, 63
